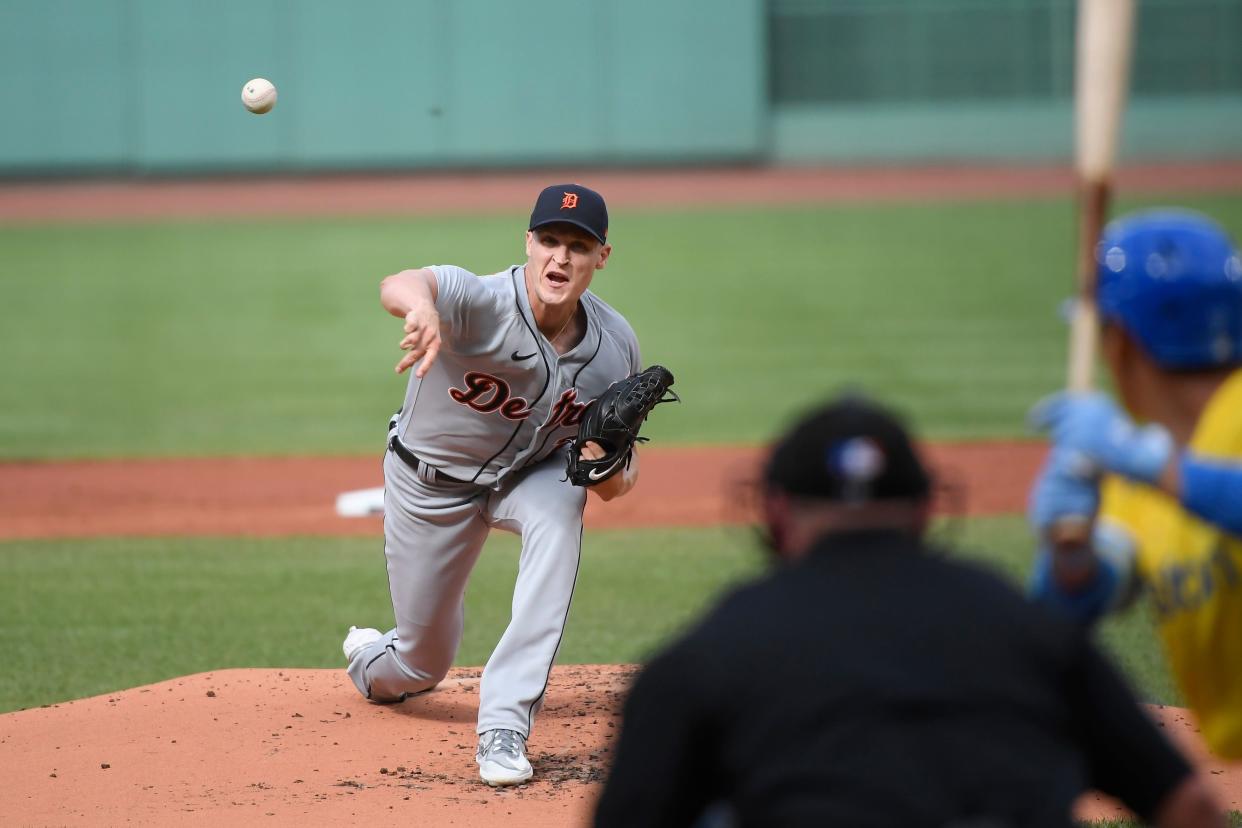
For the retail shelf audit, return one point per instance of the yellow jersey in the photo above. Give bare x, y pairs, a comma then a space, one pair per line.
1193, 572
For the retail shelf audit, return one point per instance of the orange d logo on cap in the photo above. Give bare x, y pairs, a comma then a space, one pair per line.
586, 209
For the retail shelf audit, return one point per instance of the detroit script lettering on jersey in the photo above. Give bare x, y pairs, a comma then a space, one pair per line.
485, 393
513, 405
566, 411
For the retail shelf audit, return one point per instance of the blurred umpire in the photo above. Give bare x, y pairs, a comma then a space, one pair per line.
868, 681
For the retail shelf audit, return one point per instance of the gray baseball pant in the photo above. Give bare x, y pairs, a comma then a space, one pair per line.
434, 530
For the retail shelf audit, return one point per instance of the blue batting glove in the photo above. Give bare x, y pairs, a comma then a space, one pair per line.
1068, 489
1068, 486
1092, 425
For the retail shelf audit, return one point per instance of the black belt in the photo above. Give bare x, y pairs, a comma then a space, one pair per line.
410, 459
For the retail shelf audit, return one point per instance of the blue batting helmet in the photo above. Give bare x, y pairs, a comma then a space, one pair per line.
1173, 280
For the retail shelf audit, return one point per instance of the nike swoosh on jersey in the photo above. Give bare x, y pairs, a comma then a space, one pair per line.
516, 357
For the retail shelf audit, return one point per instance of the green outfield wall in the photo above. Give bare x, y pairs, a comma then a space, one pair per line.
881, 80
152, 86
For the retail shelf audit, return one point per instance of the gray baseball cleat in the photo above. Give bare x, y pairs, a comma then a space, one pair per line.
357, 639
502, 758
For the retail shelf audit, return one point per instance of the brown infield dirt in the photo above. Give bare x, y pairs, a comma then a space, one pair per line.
440, 192
300, 747
249, 496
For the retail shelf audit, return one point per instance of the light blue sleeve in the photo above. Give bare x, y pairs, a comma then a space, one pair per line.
1212, 489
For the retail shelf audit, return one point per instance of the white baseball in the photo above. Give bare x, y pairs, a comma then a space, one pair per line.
259, 95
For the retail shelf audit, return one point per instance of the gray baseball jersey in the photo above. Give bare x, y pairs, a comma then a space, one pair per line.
499, 398
485, 430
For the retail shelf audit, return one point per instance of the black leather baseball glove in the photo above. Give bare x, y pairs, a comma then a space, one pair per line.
612, 421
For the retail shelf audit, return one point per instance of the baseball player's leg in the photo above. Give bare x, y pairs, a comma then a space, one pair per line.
546, 510
433, 534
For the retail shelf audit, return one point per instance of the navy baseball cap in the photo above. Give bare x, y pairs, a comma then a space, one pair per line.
850, 450
572, 204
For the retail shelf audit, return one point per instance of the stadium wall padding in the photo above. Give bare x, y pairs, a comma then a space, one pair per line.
152, 86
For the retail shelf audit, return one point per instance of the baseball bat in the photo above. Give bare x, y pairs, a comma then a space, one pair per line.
1101, 77
1102, 69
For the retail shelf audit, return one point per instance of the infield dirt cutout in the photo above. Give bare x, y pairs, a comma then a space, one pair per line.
250, 496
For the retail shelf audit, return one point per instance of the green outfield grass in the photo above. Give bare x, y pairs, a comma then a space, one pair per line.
265, 336
79, 618
1234, 820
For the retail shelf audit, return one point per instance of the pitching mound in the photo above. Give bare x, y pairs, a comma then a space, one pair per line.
298, 747
1179, 726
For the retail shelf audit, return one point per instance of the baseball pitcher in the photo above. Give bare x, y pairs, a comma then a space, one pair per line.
491, 436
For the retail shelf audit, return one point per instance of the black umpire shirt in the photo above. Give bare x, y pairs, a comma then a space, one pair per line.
875, 683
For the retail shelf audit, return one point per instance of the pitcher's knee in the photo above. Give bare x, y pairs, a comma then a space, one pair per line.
389, 689
384, 679
380, 694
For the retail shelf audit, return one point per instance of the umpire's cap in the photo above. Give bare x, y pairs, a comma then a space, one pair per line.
572, 204
1173, 280
850, 450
